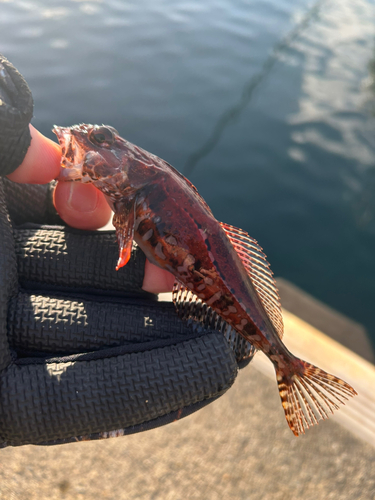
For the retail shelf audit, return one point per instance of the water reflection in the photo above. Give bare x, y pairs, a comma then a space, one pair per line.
365, 202
335, 58
59, 43
369, 87
55, 13
232, 114
336, 106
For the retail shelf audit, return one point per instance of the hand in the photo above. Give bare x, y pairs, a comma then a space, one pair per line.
80, 205
85, 351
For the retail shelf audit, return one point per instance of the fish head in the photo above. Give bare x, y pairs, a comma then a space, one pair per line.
98, 154
88, 152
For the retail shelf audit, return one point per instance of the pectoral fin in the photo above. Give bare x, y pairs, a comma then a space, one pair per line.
123, 220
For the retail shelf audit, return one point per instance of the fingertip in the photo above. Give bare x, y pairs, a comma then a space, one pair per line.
81, 205
157, 280
41, 163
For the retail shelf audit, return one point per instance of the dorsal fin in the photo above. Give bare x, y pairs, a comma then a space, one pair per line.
189, 307
258, 269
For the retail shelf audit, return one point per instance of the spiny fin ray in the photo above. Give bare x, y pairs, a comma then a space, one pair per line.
258, 269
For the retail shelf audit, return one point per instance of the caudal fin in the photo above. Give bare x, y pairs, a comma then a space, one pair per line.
310, 395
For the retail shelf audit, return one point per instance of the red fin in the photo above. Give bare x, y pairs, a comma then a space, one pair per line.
190, 307
124, 256
258, 269
310, 395
124, 224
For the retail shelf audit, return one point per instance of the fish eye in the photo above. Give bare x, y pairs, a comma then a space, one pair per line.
101, 135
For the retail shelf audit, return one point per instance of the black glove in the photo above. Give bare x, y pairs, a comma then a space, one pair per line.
84, 352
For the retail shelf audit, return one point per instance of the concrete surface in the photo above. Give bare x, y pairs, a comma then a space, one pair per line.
331, 322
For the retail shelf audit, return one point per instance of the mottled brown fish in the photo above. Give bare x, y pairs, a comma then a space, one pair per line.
214, 263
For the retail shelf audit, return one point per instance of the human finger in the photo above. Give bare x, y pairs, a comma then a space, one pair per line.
81, 205
157, 280
41, 163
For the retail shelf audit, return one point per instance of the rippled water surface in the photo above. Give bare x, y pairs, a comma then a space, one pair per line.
267, 106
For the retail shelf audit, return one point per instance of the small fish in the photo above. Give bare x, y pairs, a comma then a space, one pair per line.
214, 264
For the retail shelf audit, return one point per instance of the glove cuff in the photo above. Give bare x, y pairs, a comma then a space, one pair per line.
16, 111
31, 203
8, 278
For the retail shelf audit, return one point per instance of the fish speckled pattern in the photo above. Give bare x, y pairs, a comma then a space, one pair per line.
220, 270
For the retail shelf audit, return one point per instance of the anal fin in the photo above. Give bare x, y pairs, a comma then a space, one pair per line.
190, 308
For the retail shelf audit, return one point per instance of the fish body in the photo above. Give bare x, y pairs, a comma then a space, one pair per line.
222, 266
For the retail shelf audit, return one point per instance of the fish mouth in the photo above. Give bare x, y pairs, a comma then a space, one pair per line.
73, 156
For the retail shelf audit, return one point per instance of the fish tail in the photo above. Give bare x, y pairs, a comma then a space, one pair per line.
309, 394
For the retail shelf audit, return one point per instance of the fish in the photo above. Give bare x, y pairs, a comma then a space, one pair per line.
220, 271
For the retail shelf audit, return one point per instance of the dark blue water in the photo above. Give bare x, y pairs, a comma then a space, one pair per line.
268, 106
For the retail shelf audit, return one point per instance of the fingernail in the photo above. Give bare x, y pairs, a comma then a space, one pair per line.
82, 198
